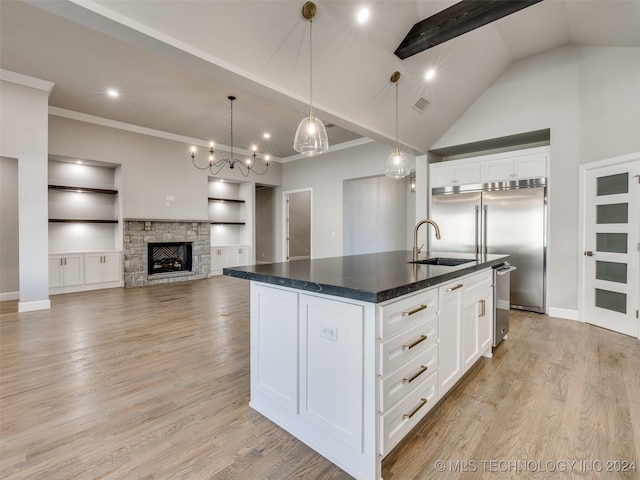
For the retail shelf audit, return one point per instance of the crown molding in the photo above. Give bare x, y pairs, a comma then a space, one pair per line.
26, 80
128, 127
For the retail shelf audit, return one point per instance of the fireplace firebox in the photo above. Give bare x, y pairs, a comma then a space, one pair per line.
169, 257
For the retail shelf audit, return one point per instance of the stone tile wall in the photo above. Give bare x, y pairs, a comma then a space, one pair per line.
138, 233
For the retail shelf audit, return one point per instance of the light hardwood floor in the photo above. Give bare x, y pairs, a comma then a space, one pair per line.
153, 383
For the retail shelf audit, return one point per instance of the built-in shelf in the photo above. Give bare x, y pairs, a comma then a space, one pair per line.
213, 199
72, 220
228, 223
68, 188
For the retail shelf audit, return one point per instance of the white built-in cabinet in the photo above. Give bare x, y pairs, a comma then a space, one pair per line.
229, 207
85, 235
353, 378
515, 165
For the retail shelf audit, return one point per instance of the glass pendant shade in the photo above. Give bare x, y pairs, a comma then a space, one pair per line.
397, 165
311, 137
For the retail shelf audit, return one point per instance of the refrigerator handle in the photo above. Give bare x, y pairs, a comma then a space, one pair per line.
477, 229
484, 238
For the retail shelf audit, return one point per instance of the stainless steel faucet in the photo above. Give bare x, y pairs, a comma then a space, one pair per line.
416, 250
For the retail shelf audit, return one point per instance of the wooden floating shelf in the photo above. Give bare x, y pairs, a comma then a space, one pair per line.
68, 188
71, 220
228, 223
225, 200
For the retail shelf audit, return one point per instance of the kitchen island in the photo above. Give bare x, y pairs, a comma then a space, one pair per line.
348, 354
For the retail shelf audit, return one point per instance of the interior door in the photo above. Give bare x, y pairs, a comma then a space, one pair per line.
298, 225
612, 248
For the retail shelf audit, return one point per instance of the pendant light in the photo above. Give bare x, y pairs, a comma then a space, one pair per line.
311, 136
397, 164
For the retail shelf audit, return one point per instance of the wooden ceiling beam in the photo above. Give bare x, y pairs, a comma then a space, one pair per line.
451, 22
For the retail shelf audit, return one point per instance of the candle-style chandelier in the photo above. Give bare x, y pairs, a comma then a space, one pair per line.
254, 164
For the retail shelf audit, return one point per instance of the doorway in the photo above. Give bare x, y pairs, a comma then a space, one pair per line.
611, 244
297, 225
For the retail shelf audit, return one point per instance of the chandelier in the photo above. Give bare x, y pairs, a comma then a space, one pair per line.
245, 167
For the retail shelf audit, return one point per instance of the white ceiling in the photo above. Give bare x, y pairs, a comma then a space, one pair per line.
175, 62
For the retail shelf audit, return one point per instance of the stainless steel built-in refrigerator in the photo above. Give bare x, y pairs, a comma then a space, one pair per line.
501, 217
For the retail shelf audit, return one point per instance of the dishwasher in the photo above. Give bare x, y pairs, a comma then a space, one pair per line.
501, 301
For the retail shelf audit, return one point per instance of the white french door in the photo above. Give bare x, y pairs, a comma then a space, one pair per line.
611, 270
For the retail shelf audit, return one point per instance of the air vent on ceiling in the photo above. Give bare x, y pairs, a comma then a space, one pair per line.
421, 105
329, 125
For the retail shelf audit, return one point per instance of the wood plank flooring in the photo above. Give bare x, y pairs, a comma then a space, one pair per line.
153, 383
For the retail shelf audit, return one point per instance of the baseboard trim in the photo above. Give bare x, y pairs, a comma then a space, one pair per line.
565, 313
9, 296
31, 306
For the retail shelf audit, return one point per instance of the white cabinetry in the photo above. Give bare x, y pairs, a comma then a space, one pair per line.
351, 378
460, 173
224, 256
102, 267
66, 270
516, 167
81, 271
450, 296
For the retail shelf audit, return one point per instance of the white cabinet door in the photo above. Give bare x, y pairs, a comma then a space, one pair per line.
530, 166
219, 259
93, 267
73, 269
56, 271
274, 346
497, 170
111, 267
442, 176
238, 256
457, 174
332, 367
470, 318
450, 330
468, 174
485, 322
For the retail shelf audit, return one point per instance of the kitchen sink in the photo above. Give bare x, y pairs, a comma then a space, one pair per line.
448, 262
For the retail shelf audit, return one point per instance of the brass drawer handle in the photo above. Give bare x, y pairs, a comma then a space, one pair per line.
413, 344
415, 310
460, 285
422, 403
423, 368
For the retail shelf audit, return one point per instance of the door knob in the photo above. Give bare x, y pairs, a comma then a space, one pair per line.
589, 253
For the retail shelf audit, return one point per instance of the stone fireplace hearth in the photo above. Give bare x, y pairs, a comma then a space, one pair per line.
140, 233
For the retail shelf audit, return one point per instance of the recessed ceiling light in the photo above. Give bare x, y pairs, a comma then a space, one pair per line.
266, 135
113, 93
363, 15
430, 74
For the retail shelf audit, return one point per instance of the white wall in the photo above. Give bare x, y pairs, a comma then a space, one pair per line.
590, 99
325, 175
375, 215
23, 135
152, 168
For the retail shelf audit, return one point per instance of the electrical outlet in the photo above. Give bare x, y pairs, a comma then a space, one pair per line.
329, 331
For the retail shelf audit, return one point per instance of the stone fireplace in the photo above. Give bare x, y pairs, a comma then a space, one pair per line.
165, 251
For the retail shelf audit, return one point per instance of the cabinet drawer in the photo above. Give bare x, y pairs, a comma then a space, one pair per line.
405, 346
476, 284
407, 312
397, 422
404, 380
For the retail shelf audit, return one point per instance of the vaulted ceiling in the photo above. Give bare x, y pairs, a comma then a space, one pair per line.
175, 62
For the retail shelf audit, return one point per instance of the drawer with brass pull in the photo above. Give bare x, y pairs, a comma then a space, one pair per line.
401, 382
401, 314
401, 348
396, 423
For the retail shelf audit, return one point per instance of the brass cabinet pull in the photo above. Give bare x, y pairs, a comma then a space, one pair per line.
484, 307
422, 403
455, 288
413, 344
423, 368
415, 310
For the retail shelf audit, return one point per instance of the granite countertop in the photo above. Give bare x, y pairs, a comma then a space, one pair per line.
373, 277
